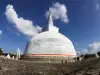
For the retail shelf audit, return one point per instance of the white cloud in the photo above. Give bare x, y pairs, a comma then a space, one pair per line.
92, 48
83, 52
97, 6
58, 11
0, 32
38, 28
23, 25
78, 53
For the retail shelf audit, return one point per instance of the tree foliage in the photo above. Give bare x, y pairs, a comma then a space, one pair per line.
98, 53
1, 52
86, 56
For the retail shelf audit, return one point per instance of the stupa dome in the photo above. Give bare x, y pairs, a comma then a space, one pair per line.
50, 43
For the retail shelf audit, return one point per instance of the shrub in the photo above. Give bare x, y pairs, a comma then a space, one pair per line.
98, 53
1, 52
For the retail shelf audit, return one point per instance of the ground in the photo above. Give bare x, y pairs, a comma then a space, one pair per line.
15, 67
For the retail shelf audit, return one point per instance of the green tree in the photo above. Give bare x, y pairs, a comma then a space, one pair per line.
86, 56
98, 53
1, 52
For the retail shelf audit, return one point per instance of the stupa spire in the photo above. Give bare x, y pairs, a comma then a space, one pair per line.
50, 20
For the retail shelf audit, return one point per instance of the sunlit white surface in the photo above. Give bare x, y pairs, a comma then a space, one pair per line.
50, 42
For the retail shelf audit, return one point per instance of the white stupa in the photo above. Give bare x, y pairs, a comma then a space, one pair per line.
18, 54
8, 56
50, 43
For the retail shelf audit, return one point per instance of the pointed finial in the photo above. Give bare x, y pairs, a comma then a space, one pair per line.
50, 20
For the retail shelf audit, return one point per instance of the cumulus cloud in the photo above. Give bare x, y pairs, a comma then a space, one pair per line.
92, 48
83, 52
23, 25
0, 32
58, 11
38, 28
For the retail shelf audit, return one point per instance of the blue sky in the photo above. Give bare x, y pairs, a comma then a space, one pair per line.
82, 29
